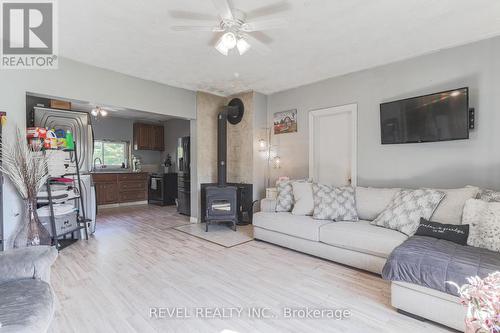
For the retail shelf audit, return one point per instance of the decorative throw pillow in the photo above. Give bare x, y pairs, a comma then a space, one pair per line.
407, 207
285, 199
456, 233
484, 220
489, 195
303, 196
334, 203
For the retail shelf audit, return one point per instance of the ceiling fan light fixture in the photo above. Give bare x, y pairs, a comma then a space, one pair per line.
98, 111
221, 47
229, 40
242, 45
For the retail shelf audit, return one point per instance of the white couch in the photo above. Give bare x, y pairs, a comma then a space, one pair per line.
365, 246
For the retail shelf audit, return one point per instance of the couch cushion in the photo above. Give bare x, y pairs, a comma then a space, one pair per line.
26, 306
27, 263
293, 225
371, 201
361, 236
451, 207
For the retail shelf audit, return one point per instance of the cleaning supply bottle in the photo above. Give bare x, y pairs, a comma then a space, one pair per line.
61, 138
70, 144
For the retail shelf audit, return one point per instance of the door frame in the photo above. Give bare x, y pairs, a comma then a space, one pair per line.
351, 108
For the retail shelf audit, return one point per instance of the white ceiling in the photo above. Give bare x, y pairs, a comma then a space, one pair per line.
325, 38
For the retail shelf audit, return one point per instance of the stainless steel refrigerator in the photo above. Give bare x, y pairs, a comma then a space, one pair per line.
79, 123
184, 178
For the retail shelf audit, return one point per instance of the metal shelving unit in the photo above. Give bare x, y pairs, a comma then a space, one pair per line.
81, 219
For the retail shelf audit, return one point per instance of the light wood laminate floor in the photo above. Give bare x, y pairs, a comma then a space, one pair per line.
136, 260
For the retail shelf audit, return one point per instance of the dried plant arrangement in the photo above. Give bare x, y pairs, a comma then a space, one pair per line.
26, 168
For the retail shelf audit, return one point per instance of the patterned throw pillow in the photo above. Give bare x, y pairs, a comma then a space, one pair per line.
407, 207
284, 199
489, 195
334, 203
484, 220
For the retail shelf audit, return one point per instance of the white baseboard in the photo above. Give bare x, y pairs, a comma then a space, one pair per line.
193, 219
124, 204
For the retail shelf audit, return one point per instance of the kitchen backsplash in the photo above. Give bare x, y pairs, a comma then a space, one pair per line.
152, 168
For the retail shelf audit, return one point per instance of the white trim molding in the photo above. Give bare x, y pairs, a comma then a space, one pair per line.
123, 204
351, 108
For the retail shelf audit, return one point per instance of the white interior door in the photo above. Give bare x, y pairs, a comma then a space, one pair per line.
332, 145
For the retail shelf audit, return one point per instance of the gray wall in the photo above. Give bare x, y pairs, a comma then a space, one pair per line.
446, 164
174, 129
78, 81
121, 129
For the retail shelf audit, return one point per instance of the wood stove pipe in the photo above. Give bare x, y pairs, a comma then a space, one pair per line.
222, 148
233, 113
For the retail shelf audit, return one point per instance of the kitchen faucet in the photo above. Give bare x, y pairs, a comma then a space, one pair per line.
100, 162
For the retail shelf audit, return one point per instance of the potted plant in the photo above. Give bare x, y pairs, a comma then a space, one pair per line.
26, 167
482, 298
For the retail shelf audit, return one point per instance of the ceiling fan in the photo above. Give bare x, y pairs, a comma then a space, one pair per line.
234, 28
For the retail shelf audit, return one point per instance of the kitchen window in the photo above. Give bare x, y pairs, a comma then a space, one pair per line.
112, 154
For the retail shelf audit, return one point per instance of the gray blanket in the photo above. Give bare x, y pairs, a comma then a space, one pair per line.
430, 262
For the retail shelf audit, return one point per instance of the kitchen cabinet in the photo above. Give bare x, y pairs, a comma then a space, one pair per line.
106, 188
158, 138
133, 187
57, 104
142, 133
148, 137
106, 193
113, 188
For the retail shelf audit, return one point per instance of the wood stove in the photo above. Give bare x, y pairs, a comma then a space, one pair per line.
244, 201
221, 205
220, 201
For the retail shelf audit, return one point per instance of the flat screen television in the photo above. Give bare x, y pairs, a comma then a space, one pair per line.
436, 117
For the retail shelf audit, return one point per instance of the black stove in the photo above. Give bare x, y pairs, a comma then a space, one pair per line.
219, 201
162, 189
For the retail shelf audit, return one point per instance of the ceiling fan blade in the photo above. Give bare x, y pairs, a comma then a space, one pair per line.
224, 9
264, 25
185, 15
257, 44
195, 28
278, 7
264, 38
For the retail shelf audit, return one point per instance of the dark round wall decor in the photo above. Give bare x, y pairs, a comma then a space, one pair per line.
235, 111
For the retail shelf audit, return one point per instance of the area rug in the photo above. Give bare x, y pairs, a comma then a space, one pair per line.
219, 234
